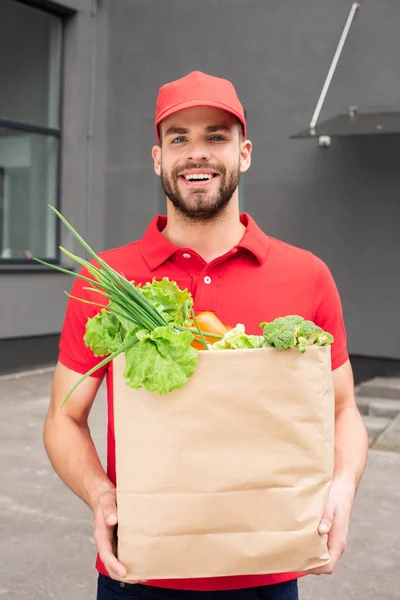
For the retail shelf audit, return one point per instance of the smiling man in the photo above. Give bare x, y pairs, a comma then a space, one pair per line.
232, 268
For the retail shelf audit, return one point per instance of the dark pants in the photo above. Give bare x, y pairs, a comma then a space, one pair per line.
109, 589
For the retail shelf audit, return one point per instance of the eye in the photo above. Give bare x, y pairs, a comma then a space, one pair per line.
178, 139
217, 138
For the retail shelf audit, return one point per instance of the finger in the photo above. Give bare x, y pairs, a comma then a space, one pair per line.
115, 574
336, 542
336, 546
111, 519
326, 522
115, 569
104, 538
105, 520
110, 512
338, 535
325, 570
108, 558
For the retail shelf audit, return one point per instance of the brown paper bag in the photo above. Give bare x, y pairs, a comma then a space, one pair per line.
228, 475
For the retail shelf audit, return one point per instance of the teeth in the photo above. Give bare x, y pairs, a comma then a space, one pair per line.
198, 176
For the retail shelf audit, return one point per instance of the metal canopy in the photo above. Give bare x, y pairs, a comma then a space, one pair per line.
354, 124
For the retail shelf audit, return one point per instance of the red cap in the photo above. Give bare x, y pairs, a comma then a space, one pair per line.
198, 89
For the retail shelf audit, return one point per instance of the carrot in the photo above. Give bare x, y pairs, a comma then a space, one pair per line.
208, 323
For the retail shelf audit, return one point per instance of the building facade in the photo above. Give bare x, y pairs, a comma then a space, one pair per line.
78, 86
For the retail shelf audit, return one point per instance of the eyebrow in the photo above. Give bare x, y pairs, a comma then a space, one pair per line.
174, 130
213, 128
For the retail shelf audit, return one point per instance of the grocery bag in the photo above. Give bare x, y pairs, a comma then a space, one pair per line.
228, 475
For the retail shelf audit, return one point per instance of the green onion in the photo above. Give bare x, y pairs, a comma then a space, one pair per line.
108, 359
199, 330
111, 284
211, 335
116, 312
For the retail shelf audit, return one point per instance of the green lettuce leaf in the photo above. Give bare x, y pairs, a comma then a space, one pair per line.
161, 361
171, 302
238, 339
127, 324
104, 333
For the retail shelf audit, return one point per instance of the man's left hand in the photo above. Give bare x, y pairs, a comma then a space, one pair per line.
335, 521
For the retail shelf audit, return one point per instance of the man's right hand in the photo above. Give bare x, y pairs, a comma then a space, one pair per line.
74, 457
105, 520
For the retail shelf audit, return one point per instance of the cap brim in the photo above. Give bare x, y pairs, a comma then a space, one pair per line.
200, 102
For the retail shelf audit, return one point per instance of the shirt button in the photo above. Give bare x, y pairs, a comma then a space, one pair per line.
207, 279
186, 255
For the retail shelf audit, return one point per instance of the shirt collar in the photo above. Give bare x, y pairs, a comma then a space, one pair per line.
254, 239
156, 249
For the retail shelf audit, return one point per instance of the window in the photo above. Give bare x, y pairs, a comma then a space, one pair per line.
30, 73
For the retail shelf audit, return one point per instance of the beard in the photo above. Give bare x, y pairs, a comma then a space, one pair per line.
201, 204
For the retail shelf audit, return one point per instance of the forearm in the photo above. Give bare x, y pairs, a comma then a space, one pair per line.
74, 457
351, 446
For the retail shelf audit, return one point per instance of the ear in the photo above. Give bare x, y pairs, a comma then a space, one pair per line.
156, 154
245, 155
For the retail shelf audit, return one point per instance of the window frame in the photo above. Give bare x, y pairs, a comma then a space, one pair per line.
7, 264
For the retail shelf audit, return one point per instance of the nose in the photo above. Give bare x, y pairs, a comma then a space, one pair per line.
198, 151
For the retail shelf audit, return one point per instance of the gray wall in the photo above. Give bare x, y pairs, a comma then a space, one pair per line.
341, 203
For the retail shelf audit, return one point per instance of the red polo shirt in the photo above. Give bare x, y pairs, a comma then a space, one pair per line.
260, 279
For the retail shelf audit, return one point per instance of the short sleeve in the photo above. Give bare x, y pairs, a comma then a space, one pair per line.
72, 350
328, 313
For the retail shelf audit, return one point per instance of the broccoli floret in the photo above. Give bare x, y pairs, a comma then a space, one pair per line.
293, 330
295, 320
324, 338
238, 339
307, 335
280, 333
309, 330
310, 334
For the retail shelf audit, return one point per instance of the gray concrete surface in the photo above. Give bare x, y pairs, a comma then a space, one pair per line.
389, 439
46, 545
378, 401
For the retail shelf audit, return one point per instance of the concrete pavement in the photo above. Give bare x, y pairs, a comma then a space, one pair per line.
378, 400
46, 532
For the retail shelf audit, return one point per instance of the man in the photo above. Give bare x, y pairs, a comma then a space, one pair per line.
232, 268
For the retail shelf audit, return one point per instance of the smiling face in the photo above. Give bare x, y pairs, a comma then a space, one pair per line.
200, 159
